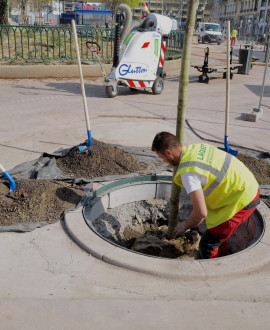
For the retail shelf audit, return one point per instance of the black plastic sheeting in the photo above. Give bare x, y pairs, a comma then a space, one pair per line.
45, 167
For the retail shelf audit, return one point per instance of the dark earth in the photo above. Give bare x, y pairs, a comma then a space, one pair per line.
100, 159
46, 200
142, 226
36, 201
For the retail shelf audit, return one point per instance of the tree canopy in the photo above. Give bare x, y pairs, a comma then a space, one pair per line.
112, 4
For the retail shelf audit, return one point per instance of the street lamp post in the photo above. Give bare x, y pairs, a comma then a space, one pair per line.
82, 12
265, 15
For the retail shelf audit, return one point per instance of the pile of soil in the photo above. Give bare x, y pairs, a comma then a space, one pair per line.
45, 200
99, 160
259, 167
36, 201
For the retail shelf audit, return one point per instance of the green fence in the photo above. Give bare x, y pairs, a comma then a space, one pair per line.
25, 43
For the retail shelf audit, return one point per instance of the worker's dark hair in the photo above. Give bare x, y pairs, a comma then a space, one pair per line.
163, 141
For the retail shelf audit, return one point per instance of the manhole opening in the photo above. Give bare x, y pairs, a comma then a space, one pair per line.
141, 227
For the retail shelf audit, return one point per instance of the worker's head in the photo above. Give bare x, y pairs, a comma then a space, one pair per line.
167, 147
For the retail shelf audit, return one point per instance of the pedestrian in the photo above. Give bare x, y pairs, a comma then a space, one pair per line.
233, 37
223, 191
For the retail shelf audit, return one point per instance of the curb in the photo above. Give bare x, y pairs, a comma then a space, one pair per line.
40, 71
260, 64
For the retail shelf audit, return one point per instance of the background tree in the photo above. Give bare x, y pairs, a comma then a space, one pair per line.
18, 3
3, 12
112, 4
39, 5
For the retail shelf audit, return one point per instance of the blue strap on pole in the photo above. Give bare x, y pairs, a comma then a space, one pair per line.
89, 143
226, 143
12, 184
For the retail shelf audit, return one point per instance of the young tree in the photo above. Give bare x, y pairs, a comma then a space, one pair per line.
23, 4
181, 107
3, 12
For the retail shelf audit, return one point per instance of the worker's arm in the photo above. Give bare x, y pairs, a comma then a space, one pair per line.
198, 214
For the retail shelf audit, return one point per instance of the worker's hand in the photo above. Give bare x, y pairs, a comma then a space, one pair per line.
180, 228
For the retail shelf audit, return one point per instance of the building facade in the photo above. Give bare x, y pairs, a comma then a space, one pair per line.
176, 9
248, 17
59, 9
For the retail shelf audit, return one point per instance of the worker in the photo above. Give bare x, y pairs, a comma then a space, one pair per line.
223, 191
233, 37
145, 10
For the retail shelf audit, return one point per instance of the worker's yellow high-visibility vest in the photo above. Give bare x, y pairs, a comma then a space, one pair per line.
230, 184
234, 34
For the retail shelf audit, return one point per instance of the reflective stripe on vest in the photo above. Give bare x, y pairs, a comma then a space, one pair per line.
220, 174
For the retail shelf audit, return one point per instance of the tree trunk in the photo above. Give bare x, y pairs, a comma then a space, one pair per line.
4, 12
181, 107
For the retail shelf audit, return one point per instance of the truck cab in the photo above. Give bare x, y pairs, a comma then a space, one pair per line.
209, 32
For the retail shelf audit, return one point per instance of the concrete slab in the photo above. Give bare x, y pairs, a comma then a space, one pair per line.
47, 281
100, 206
84, 237
136, 313
159, 267
254, 115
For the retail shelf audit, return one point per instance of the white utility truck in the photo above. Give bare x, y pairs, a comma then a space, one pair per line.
209, 32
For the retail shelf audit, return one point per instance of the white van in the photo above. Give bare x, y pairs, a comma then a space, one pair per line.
209, 32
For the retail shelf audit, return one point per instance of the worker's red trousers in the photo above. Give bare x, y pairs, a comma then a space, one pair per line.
233, 41
213, 243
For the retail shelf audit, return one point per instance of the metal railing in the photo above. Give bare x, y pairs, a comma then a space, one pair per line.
28, 43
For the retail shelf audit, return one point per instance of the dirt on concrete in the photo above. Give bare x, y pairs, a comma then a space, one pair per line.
45, 200
100, 159
259, 167
36, 201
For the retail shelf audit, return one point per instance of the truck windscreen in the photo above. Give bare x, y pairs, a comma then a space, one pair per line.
212, 27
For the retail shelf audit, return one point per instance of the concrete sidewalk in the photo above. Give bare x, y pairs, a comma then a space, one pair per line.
44, 115
48, 282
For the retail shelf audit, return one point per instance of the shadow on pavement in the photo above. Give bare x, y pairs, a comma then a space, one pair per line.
256, 89
18, 148
91, 90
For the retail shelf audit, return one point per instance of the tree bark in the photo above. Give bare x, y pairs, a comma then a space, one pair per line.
3, 12
181, 108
